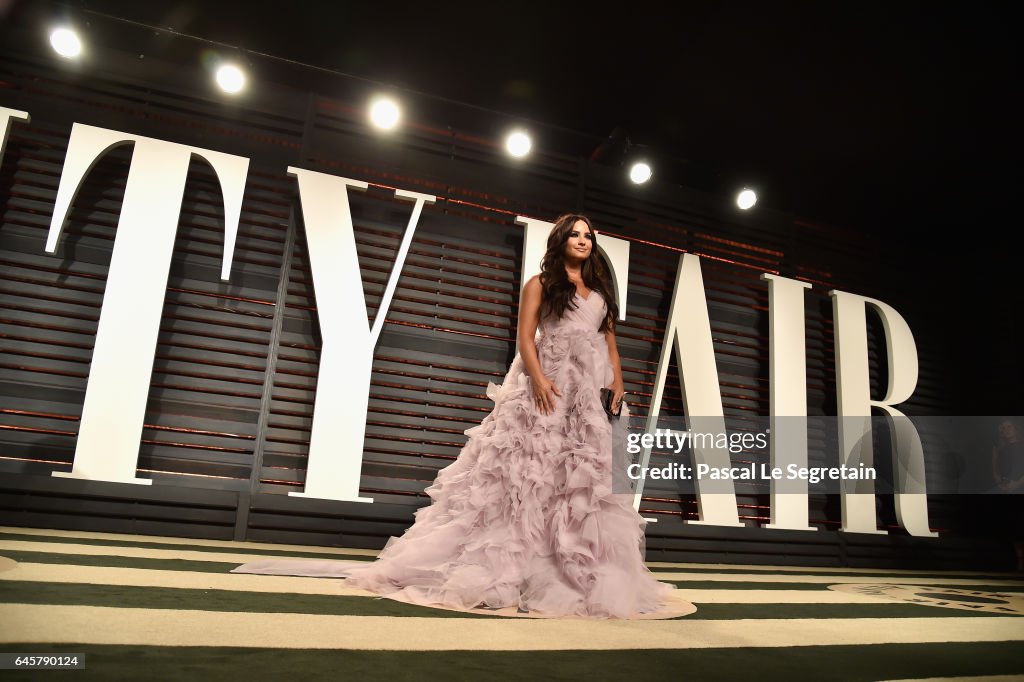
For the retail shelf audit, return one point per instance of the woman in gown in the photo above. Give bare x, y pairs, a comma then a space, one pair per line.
526, 516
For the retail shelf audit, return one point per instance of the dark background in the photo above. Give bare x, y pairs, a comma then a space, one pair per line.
882, 143
899, 120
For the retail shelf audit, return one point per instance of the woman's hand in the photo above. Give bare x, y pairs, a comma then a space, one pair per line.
618, 390
616, 387
544, 393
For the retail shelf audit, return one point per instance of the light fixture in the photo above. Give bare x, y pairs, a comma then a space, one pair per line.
746, 198
230, 78
384, 113
640, 172
66, 42
518, 144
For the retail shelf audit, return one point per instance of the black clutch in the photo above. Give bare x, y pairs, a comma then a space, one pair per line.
607, 397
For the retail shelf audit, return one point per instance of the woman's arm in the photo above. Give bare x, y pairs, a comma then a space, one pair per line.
544, 391
613, 356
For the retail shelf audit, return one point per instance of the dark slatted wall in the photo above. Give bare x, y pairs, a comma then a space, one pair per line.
234, 380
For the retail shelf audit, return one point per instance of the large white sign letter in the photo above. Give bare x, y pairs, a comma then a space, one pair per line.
122, 361
346, 358
5, 124
688, 333
854, 407
787, 380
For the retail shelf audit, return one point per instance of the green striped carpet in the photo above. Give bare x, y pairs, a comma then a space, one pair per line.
168, 608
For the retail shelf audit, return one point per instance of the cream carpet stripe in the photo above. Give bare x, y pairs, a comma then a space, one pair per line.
144, 577
228, 558
137, 552
226, 544
827, 569
984, 678
773, 597
830, 579
144, 627
231, 544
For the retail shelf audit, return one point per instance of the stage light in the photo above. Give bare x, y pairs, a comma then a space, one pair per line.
640, 173
746, 198
230, 78
66, 43
384, 113
518, 144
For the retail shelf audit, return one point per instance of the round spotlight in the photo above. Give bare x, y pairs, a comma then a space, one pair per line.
518, 144
66, 43
230, 78
384, 113
746, 198
640, 173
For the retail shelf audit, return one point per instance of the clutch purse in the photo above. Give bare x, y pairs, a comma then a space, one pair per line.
607, 397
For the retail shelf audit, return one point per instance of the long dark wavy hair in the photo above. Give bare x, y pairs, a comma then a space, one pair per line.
557, 289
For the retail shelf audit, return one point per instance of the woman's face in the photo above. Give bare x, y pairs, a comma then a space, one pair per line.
580, 242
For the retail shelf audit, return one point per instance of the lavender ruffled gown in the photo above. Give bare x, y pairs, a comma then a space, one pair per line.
526, 516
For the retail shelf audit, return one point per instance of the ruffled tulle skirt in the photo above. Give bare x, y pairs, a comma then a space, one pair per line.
526, 515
